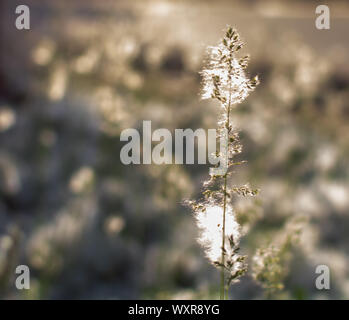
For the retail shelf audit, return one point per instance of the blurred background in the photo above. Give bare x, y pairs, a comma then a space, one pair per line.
90, 227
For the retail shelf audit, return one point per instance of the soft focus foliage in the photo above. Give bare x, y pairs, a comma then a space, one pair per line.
90, 227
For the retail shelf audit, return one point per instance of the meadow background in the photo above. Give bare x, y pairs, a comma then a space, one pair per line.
91, 228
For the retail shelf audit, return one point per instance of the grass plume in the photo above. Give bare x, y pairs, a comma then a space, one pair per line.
225, 80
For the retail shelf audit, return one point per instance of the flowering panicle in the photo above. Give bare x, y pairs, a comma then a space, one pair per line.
224, 77
225, 80
269, 267
209, 221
